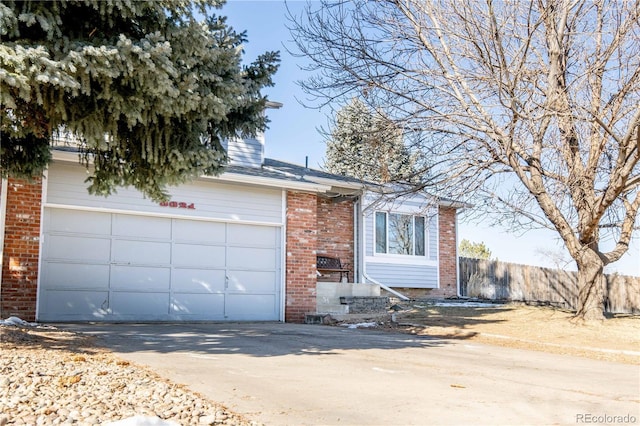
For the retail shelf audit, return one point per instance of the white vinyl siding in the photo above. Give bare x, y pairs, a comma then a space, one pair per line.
402, 275
216, 200
248, 152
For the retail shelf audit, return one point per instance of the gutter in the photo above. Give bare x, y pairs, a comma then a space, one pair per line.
264, 181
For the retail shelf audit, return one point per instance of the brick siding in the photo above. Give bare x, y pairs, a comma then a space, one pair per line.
302, 240
315, 225
21, 250
447, 253
335, 232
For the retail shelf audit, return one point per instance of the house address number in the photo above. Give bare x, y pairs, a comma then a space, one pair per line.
178, 205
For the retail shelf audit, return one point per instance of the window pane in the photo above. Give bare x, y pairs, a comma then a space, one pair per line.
400, 234
419, 220
381, 232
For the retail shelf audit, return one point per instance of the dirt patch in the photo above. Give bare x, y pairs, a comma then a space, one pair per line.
47, 338
526, 327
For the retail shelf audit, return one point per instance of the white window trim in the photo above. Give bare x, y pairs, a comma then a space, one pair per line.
399, 259
408, 259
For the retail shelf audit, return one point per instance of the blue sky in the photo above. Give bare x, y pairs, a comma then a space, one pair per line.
293, 134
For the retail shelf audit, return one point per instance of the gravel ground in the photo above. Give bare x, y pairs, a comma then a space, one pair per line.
49, 376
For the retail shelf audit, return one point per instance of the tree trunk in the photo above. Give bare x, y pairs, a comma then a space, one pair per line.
591, 285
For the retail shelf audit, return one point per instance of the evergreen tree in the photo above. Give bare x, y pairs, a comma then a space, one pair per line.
367, 146
147, 87
474, 250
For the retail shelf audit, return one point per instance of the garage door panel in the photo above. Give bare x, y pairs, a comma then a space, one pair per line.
251, 307
198, 280
79, 248
82, 304
75, 276
137, 278
128, 267
190, 231
252, 281
141, 252
142, 305
76, 221
198, 255
252, 235
251, 258
203, 305
141, 226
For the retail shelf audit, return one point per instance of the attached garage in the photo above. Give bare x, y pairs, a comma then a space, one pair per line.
213, 253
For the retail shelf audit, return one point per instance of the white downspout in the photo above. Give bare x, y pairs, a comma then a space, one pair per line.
3, 216
283, 254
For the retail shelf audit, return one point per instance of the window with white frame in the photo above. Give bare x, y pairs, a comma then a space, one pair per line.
402, 234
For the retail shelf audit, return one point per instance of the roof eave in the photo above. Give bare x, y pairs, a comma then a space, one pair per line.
336, 183
272, 182
454, 204
72, 157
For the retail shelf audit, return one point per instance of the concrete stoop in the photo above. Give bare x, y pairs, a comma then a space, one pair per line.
353, 318
341, 302
329, 319
365, 304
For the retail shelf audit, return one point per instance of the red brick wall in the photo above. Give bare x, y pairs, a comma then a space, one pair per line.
448, 253
335, 232
21, 250
302, 241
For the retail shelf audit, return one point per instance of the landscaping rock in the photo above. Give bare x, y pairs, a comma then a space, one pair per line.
51, 376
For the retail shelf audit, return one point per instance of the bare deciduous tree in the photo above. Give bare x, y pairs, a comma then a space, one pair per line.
530, 107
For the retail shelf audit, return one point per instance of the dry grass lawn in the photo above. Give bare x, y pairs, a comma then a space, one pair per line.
527, 327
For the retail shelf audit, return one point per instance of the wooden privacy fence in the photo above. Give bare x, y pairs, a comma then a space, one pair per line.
494, 280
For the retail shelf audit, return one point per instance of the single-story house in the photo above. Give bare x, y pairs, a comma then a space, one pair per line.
240, 246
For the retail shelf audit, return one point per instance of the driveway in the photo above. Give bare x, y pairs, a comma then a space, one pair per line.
292, 374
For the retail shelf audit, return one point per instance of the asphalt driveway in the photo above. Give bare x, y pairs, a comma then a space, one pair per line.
292, 374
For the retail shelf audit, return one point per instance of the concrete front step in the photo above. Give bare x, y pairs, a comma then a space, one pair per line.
348, 302
326, 318
352, 318
332, 308
365, 304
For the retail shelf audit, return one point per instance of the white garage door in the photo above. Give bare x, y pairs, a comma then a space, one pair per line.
122, 267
